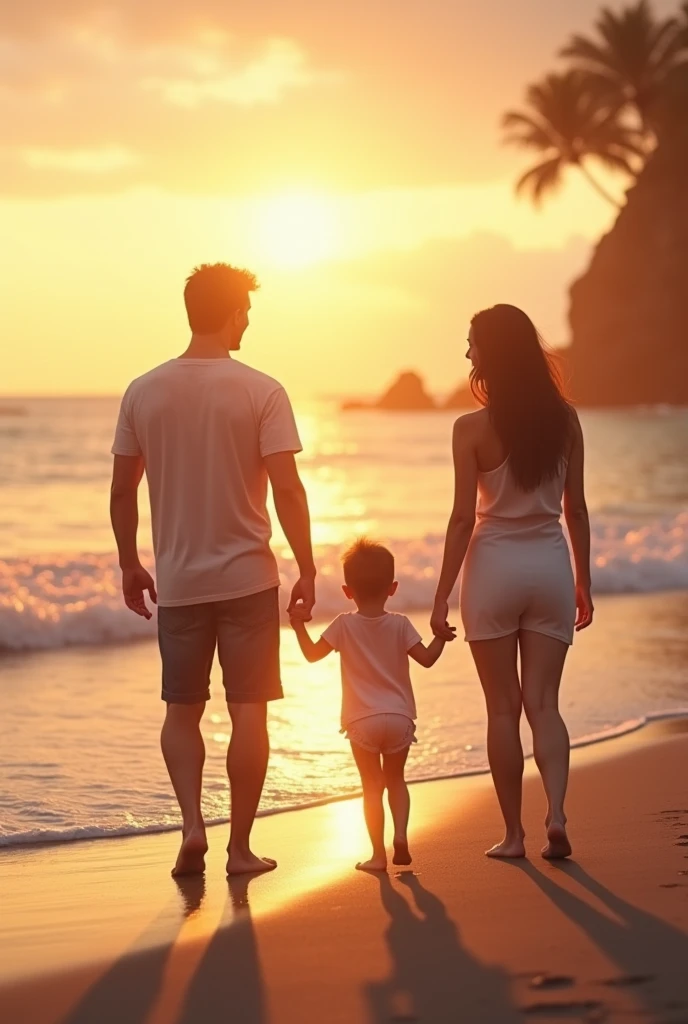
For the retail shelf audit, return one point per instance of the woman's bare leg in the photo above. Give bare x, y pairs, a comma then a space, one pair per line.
373, 782
399, 802
542, 664
496, 662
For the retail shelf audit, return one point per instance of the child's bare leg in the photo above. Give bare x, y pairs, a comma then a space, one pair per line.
399, 802
373, 782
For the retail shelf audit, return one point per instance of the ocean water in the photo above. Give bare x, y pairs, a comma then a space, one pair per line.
79, 675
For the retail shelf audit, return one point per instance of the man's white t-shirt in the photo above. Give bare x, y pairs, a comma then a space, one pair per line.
375, 664
204, 427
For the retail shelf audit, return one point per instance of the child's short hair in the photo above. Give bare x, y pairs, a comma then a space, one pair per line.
368, 568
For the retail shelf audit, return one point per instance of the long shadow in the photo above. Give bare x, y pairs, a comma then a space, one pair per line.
228, 984
433, 976
128, 990
645, 948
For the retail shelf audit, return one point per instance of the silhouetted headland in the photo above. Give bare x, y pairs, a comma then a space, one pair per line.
629, 311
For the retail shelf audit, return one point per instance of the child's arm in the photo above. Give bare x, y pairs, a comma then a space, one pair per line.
311, 651
427, 656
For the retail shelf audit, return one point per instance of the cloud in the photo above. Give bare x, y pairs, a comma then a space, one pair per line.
79, 161
228, 98
280, 66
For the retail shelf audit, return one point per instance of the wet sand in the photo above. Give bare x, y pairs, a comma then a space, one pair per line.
97, 932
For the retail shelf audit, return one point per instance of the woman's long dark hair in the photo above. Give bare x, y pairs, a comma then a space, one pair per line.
516, 379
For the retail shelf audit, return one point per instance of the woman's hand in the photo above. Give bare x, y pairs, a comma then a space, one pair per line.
584, 606
439, 624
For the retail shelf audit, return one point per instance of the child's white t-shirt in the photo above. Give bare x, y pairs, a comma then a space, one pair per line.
375, 664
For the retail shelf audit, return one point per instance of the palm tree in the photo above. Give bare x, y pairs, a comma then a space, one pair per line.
630, 57
569, 122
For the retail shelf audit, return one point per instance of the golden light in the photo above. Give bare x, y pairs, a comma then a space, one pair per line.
297, 230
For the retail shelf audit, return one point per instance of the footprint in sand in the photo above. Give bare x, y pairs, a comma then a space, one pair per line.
592, 1008
549, 981
626, 980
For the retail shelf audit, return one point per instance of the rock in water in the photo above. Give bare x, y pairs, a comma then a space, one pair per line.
462, 399
629, 311
406, 394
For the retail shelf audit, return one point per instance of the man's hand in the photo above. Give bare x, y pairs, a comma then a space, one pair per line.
134, 582
302, 599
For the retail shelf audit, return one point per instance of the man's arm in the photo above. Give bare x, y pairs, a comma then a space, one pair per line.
124, 514
311, 650
427, 656
291, 506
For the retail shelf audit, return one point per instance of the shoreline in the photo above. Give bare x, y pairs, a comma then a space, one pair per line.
623, 729
114, 938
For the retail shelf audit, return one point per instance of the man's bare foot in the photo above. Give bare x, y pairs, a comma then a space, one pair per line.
248, 863
558, 846
512, 846
191, 859
401, 852
374, 864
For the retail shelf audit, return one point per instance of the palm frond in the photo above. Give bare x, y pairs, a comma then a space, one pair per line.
541, 179
522, 130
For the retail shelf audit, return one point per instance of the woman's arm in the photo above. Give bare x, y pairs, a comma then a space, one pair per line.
578, 522
461, 522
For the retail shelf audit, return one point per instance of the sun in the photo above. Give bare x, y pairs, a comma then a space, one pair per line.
297, 230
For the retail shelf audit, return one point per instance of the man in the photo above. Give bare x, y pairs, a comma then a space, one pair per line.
209, 432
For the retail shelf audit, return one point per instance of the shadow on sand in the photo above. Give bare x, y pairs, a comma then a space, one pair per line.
129, 989
651, 954
433, 977
226, 985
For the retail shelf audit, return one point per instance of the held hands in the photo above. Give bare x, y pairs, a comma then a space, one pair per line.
439, 624
134, 583
302, 600
584, 607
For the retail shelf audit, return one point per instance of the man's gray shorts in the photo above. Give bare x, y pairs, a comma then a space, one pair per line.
246, 632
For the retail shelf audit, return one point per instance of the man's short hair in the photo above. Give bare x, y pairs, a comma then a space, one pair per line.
213, 292
368, 568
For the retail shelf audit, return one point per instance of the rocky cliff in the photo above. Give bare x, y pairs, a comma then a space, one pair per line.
629, 311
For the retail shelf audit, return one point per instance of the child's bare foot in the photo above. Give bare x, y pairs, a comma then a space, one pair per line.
248, 863
401, 852
511, 846
191, 858
374, 864
558, 846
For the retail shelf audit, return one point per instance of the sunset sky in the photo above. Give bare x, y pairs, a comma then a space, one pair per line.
348, 153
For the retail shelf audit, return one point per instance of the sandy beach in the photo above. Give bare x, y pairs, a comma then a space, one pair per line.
98, 932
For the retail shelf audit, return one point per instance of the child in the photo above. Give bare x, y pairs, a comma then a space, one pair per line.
378, 709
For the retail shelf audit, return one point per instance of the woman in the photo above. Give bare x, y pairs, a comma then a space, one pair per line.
519, 455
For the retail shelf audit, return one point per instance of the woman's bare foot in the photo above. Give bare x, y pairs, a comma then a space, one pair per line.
511, 846
401, 852
558, 846
374, 864
248, 863
191, 858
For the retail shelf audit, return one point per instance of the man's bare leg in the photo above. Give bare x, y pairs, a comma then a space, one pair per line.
184, 753
247, 763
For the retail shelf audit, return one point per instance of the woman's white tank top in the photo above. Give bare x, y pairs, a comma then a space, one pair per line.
500, 497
